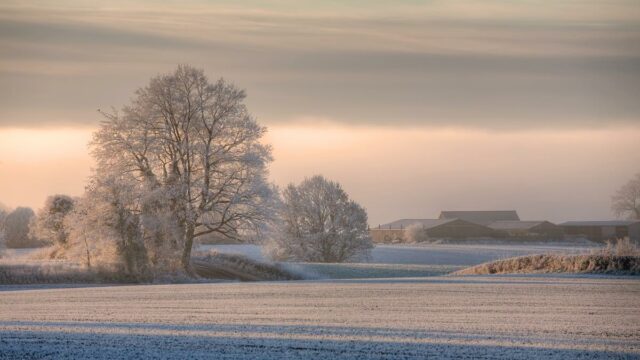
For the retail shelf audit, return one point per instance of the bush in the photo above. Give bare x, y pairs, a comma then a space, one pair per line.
620, 247
416, 233
237, 267
550, 263
62, 274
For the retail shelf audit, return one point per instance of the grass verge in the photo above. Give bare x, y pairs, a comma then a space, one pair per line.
551, 263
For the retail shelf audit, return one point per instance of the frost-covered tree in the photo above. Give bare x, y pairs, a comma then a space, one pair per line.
320, 224
105, 229
416, 233
626, 201
192, 156
48, 224
16, 228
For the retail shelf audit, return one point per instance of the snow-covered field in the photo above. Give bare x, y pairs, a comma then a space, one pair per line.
430, 254
551, 317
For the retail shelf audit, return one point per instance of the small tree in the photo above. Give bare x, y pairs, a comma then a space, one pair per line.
104, 231
49, 222
16, 228
320, 224
626, 201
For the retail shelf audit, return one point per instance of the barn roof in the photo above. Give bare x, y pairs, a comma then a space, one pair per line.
404, 223
600, 223
483, 217
515, 224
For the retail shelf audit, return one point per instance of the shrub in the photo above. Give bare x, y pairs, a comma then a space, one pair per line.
416, 233
553, 263
620, 247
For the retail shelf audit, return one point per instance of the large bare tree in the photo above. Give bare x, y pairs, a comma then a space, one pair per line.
626, 201
194, 155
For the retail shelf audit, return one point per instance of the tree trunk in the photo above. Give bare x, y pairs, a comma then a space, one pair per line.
188, 244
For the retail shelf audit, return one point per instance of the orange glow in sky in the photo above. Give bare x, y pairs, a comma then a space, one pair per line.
394, 173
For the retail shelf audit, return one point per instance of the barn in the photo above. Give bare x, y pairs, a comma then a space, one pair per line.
529, 229
483, 217
603, 230
435, 228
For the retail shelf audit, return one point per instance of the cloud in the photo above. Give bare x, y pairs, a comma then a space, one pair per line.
498, 64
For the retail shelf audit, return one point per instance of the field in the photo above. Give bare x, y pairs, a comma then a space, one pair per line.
389, 261
399, 305
448, 317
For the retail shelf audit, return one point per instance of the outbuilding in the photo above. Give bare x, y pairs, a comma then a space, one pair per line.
529, 229
435, 228
482, 217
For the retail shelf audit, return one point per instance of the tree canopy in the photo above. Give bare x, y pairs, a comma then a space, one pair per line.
320, 224
183, 159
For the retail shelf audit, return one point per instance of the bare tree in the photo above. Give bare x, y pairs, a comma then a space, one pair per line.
320, 224
48, 224
626, 201
194, 155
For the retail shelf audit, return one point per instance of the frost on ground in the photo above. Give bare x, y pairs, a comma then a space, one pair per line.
430, 254
398, 260
553, 317
408, 260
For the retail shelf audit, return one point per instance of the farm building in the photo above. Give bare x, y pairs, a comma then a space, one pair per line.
531, 229
603, 230
435, 228
483, 217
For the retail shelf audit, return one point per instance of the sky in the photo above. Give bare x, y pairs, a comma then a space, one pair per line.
414, 106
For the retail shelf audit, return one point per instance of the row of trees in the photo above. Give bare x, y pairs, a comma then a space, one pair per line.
185, 159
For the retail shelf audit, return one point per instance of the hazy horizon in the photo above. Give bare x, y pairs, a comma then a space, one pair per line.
413, 107
400, 173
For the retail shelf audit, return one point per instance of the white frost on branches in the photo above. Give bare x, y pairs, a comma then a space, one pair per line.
626, 201
183, 159
320, 224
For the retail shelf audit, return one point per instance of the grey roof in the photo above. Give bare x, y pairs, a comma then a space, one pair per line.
515, 224
404, 223
483, 217
600, 223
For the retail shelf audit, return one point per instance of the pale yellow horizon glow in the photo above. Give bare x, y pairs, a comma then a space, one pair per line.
393, 172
